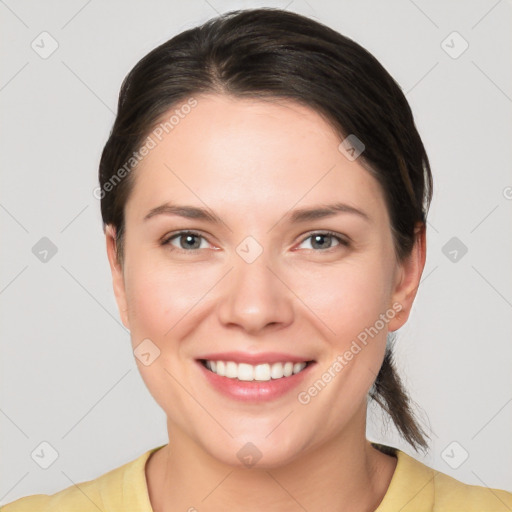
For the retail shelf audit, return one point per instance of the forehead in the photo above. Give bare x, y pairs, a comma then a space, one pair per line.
249, 153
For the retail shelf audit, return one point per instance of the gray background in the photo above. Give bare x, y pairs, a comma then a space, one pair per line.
68, 375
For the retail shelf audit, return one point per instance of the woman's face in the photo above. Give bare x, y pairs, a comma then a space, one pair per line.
259, 282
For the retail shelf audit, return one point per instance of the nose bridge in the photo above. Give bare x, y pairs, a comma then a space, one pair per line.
254, 294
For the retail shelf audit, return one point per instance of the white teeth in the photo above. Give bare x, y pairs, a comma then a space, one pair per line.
262, 372
245, 372
259, 372
231, 370
276, 371
297, 367
221, 369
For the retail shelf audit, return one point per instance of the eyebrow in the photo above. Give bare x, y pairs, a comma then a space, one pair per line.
294, 217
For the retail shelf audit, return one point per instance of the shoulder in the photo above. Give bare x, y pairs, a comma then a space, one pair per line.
80, 498
110, 491
416, 487
450, 493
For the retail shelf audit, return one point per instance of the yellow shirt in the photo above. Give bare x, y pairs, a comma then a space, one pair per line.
414, 487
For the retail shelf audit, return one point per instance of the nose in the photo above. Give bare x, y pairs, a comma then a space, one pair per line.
255, 297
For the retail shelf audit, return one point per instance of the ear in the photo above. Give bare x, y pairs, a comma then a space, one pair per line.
117, 274
408, 279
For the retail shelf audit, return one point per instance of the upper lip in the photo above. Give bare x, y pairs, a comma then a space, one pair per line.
253, 359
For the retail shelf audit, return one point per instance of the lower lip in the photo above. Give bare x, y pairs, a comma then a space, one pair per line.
255, 391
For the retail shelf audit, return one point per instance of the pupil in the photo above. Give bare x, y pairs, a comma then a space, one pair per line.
188, 239
316, 237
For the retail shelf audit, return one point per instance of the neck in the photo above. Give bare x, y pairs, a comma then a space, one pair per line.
344, 474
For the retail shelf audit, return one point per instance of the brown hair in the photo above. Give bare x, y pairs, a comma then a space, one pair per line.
271, 53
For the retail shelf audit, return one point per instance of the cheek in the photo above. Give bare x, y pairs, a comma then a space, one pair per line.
352, 302
161, 301
160, 297
348, 297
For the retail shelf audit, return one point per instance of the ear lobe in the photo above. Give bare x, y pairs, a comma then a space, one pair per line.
408, 278
117, 274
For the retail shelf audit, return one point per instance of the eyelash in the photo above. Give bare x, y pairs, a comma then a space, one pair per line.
336, 236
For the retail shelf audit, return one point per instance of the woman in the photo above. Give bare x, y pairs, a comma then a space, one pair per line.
264, 193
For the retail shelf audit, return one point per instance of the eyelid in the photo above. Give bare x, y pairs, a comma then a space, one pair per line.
343, 240
166, 239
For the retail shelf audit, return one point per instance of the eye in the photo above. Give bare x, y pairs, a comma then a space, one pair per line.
322, 240
188, 241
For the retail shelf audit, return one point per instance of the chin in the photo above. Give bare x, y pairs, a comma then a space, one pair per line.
253, 451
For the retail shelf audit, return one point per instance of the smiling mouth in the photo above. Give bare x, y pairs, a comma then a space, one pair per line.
259, 372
